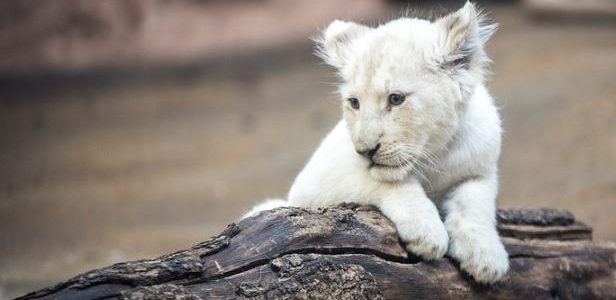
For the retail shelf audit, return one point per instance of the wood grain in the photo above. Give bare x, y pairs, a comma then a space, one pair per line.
353, 252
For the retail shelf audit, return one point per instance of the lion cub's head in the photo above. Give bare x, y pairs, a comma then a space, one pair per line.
404, 84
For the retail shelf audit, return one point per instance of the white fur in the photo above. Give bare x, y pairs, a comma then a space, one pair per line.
438, 149
267, 204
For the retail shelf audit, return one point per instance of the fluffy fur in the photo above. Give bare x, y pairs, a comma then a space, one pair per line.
438, 150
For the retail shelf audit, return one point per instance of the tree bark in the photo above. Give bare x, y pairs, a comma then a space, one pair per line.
353, 252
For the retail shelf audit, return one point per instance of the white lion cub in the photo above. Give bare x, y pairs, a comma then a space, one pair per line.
419, 134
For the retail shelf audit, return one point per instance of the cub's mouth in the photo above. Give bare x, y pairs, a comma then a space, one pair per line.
387, 168
374, 164
389, 173
378, 165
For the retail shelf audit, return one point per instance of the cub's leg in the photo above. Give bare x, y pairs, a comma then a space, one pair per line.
470, 221
416, 218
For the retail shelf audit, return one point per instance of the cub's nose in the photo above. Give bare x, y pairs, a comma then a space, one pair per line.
369, 153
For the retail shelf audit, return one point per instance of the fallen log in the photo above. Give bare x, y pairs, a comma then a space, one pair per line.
353, 252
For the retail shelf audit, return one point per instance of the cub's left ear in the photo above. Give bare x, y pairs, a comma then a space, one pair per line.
336, 42
465, 33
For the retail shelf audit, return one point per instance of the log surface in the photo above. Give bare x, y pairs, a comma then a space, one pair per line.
353, 252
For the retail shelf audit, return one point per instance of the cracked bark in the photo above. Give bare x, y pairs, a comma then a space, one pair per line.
352, 252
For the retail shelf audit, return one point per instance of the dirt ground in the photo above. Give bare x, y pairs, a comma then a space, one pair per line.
100, 172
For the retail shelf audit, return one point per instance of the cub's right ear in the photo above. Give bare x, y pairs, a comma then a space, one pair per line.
335, 43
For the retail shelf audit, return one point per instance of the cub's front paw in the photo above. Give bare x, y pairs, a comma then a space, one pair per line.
486, 261
429, 241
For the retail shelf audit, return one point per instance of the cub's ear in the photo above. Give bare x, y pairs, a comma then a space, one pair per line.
465, 33
335, 43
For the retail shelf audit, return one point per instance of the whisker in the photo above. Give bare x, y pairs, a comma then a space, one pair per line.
427, 160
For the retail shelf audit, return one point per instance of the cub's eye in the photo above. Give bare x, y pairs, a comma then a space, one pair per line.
395, 99
354, 103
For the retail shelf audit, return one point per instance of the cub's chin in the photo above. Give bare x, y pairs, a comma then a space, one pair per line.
388, 173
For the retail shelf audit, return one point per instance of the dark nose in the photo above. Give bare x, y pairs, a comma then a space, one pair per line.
369, 153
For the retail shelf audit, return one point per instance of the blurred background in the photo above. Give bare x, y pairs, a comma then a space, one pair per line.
133, 128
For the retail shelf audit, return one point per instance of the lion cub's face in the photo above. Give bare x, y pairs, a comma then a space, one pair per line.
405, 84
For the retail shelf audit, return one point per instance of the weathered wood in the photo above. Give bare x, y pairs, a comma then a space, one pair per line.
353, 252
